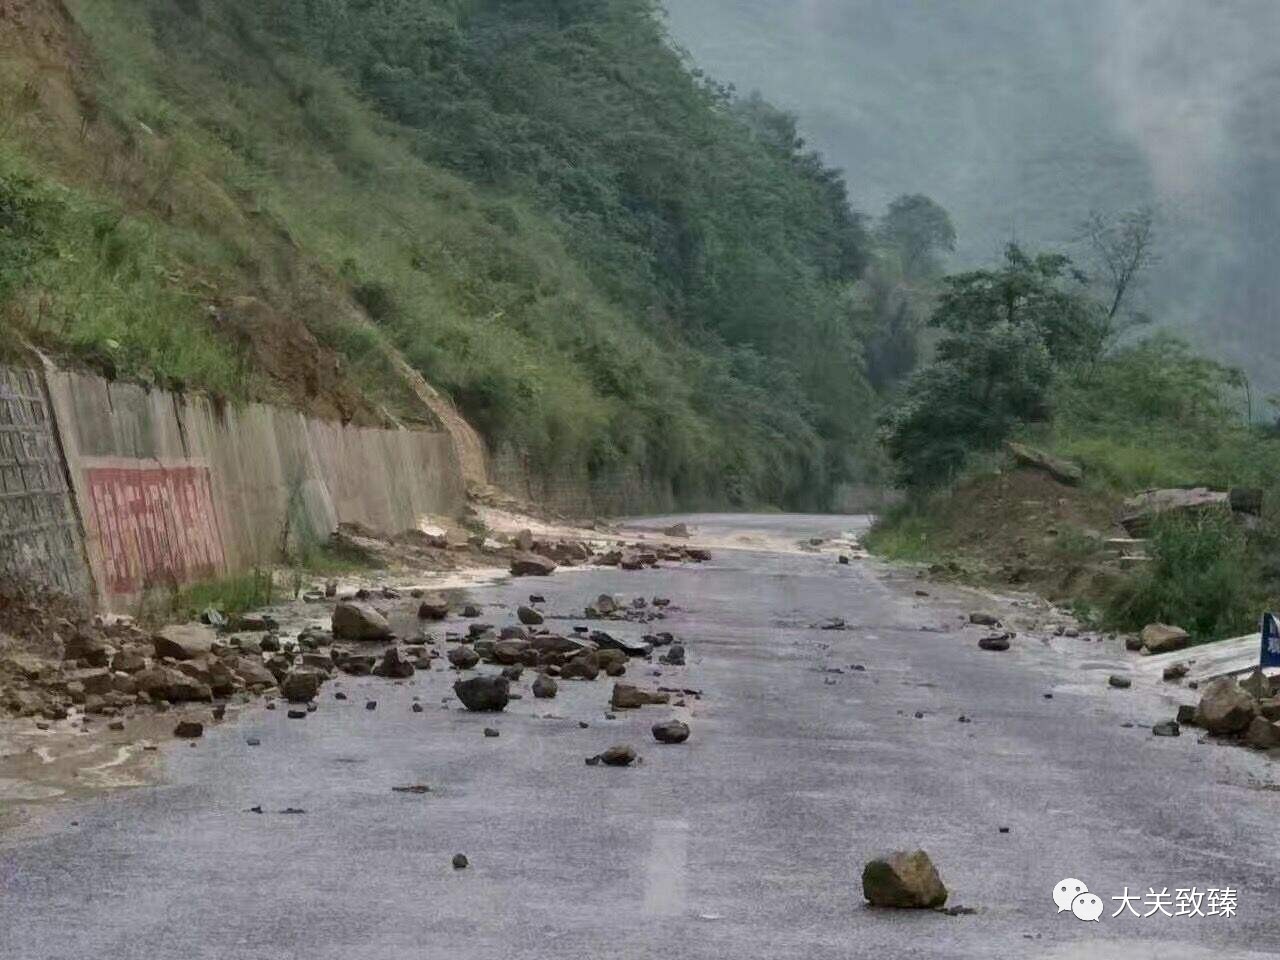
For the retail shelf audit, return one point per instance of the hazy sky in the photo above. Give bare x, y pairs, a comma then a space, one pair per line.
1021, 116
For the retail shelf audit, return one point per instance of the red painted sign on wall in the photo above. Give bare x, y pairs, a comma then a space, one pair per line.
156, 525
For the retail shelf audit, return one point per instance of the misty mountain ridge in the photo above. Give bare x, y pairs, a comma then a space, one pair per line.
1022, 121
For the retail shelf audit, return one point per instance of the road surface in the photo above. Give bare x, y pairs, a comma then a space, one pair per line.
746, 842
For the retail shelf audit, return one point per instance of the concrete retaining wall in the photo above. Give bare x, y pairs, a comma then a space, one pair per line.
39, 534
173, 489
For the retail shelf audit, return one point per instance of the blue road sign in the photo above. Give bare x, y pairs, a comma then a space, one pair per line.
1270, 641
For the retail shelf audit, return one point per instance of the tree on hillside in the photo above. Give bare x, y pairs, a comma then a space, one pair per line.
1005, 331
1122, 247
920, 230
899, 286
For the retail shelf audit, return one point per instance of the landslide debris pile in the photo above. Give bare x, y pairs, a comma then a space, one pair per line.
56, 661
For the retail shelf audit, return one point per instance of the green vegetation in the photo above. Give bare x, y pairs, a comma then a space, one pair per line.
227, 595
80, 276
1203, 576
608, 261
1032, 351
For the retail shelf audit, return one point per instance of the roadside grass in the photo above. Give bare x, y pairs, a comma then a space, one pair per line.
905, 533
254, 589
1203, 576
230, 596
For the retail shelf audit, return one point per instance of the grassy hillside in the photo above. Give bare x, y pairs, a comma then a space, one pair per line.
602, 258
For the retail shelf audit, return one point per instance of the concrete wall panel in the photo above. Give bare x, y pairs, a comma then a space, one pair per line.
174, 489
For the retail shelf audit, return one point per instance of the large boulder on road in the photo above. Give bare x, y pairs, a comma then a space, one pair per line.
483, 694
165, 683
903, 880
1225, 707
253, 673
532, 565
1263, 733
585, 666
1163, 638
359, 621
188, 641
629, 697
302, 685
670, 731
394, 666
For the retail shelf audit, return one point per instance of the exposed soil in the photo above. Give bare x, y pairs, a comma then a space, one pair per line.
1022, 527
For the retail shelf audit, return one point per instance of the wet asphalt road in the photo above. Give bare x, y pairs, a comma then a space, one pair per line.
745, 842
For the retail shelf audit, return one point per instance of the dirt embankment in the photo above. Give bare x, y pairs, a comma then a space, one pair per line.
1023, 528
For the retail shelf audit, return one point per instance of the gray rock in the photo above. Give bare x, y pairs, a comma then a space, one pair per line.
1064, 471
359, 621
996, 642
189, 729
632, 648
188, 641
128, 661
531, 565
1119, 682
585, 666
1175, 671
433, 607
1263, 733
619, 755
1257, 685
1140, 510
1225, 707
302, 685
544, 688
674, 656
1167, 728
628, 697
160, 682
671, 731
483, 694
393, 665
1162, 638
464, 658
508, 652
529, 616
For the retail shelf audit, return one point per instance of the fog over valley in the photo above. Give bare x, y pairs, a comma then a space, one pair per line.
1021, 118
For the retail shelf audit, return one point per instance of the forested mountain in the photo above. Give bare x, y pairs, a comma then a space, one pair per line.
1021, 118
612, 263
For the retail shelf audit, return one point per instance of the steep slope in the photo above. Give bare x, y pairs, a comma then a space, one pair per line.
630, 284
